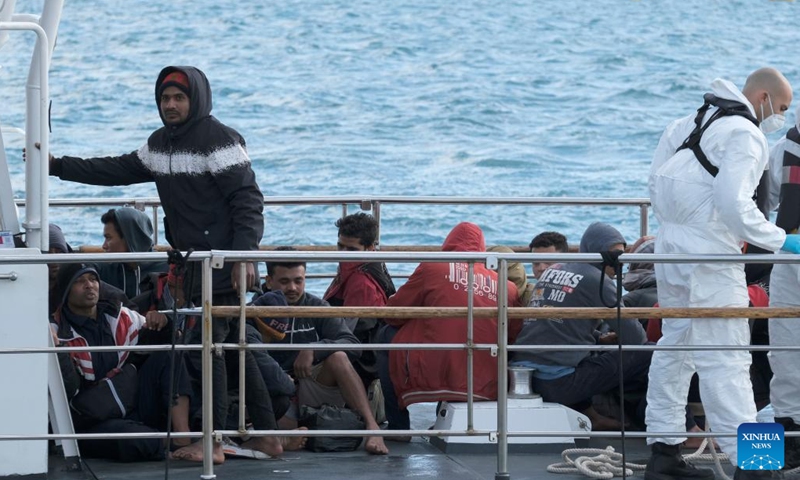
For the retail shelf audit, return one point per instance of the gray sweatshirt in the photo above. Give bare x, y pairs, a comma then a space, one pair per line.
574, 285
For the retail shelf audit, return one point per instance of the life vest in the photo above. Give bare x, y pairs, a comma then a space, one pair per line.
789, 209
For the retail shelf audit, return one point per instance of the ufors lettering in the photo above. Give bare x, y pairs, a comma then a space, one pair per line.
561, 277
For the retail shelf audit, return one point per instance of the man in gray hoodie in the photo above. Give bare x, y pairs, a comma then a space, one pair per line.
128, 230
573, 377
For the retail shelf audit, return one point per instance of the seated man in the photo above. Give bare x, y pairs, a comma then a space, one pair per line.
547, 242
107, 392
414, 376
360, 284
323, 376
573, 377
128, 230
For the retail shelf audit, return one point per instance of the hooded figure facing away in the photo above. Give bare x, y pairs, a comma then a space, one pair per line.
573, 377
441, 375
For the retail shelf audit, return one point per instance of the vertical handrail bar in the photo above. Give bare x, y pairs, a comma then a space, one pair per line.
470, 345
155, 224
376, 212
37, 166
242, 342
208, 396
502, 372
643, 220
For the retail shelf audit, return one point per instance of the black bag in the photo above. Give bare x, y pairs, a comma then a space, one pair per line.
109, 398
328, 417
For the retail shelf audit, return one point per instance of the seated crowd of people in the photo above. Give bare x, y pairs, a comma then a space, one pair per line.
118, 304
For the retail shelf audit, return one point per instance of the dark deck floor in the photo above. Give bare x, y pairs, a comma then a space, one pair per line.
418, 459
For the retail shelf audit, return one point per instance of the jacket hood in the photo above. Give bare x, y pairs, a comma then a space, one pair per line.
57, 240
516, 271
724, 89
67, 275
137, 230
464, 237
600, 237
199, 97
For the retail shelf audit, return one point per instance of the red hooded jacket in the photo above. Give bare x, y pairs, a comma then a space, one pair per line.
441, 375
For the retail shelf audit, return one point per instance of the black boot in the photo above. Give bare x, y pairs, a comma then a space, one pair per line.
791, 454
757, 474
667, 464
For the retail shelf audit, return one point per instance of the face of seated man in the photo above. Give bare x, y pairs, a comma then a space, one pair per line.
84, 294
540, 267
290, 281
113, 241
351, 244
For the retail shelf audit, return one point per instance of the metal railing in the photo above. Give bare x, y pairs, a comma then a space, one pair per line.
503, 313
373, 203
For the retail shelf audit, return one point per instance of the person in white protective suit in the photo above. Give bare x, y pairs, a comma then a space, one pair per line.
707, 208
785, 292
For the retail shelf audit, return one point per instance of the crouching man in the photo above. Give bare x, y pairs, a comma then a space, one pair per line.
115, 392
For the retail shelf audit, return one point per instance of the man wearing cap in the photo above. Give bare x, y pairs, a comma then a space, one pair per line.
211, 201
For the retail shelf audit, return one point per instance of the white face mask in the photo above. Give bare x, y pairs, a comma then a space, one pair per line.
774, 122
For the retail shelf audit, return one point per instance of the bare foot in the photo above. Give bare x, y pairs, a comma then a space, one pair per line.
291, 444
375, 446
194, 453
269, 445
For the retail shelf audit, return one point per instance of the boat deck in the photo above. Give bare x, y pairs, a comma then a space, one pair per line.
418, 459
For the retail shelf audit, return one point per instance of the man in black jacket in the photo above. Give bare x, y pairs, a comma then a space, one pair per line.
211, 201
324, 376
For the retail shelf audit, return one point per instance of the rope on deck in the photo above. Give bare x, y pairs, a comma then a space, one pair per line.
594, 463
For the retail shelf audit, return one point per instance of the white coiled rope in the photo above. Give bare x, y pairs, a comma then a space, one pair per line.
594, 463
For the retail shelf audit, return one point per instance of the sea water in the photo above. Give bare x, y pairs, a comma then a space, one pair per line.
466, 98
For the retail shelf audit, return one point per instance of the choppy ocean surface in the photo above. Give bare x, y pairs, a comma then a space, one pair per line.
468, 98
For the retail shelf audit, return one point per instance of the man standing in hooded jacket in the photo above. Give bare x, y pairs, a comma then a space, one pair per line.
705, 213
211, 201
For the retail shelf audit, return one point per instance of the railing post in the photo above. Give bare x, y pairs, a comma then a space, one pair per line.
376, 212
643, 220
470, 345
208, 396
242, 343
155, 224
502, 371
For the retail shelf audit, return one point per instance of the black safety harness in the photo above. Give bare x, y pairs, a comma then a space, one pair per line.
725, 108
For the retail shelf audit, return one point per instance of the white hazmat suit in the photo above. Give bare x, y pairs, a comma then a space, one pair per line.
701, 214
785, 292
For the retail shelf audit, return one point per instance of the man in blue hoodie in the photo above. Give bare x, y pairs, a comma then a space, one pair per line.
573, 377
128, 230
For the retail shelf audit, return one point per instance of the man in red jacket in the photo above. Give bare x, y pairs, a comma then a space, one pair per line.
440, 375
360, 284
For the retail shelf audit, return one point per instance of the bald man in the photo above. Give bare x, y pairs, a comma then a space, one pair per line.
705, 169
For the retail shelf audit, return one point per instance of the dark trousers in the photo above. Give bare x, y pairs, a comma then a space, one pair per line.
398, 418
226, 330
150, 415
597, 374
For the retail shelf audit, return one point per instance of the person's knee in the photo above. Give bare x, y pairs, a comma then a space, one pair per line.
338, 361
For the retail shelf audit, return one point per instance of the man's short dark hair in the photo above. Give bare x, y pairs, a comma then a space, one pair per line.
272, 265
550, 239
111, 217
362, 226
